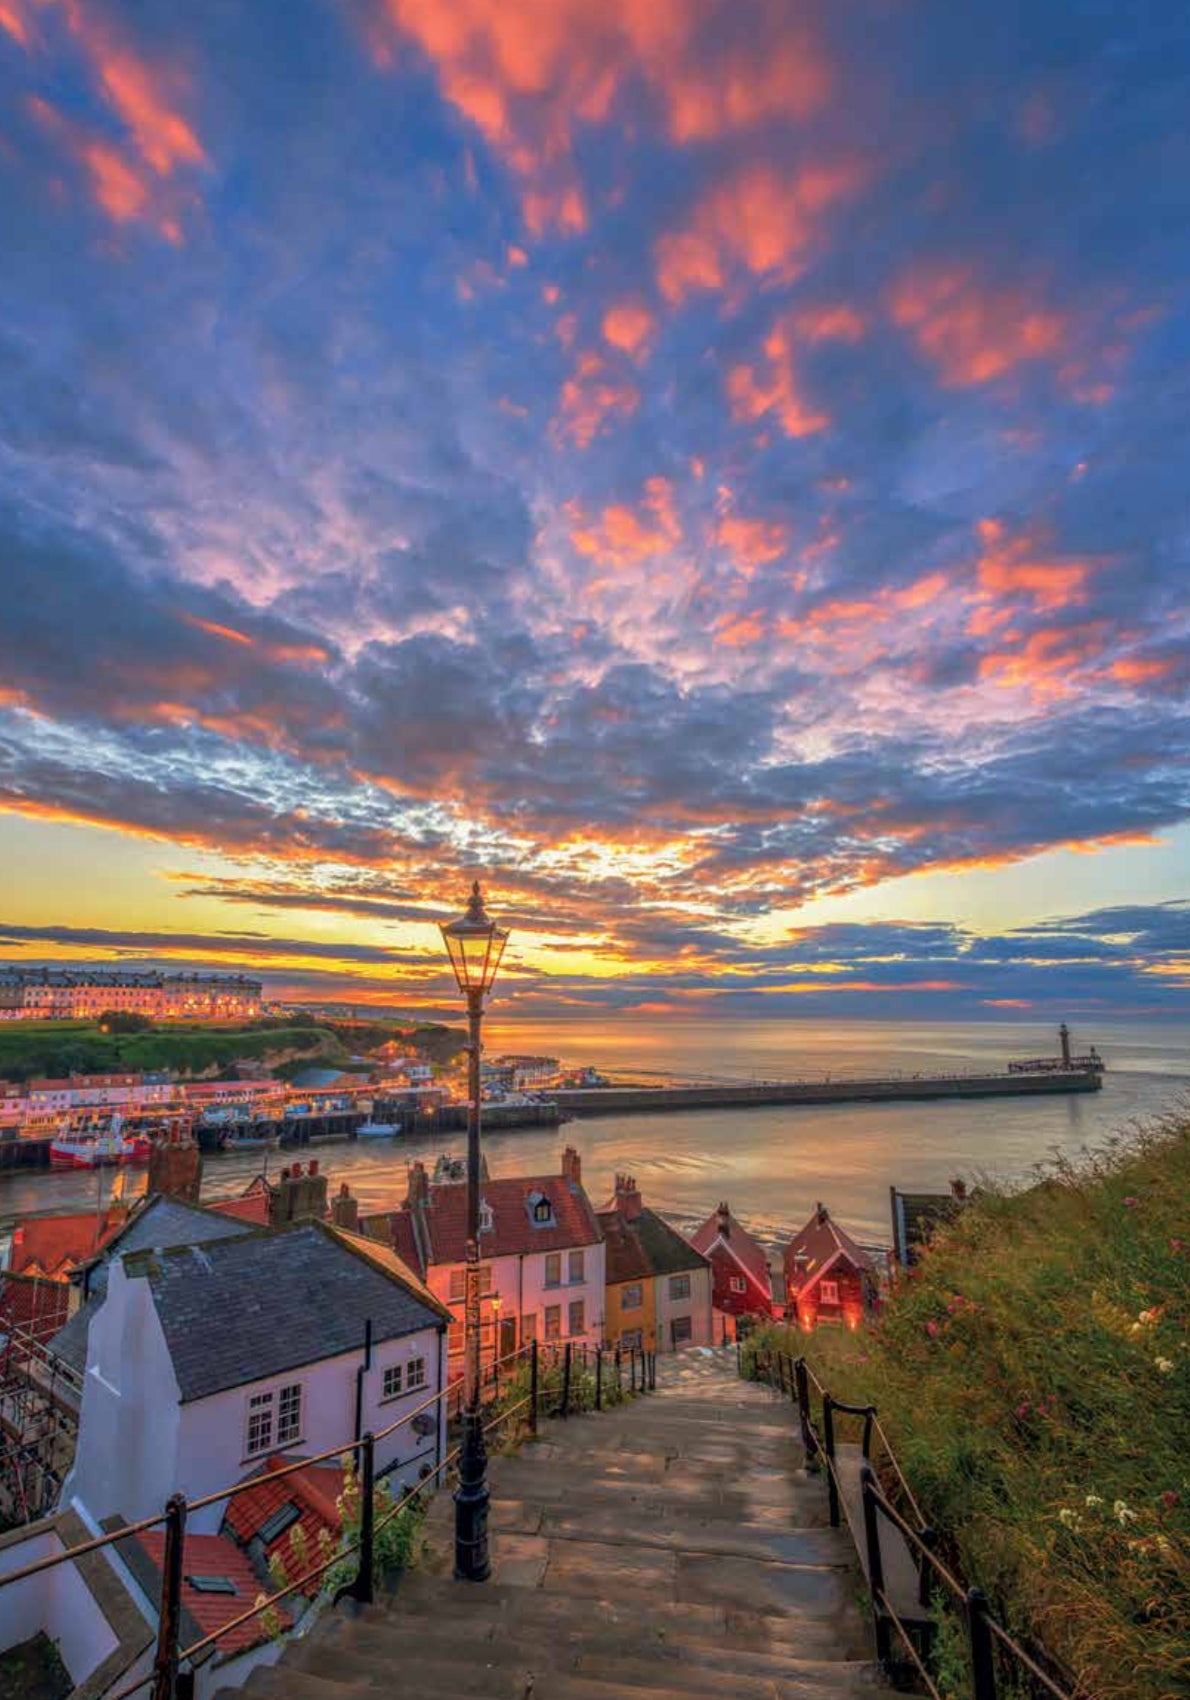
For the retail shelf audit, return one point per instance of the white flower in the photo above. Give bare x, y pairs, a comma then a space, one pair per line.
1094, 1499
1163, 1544
1165, 1365
1070, 1519
1123, 1514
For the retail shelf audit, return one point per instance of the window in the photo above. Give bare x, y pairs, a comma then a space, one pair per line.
737, 1284
260, 1423
212, 1584
632, 1340
828, 1292
679, 1286
289, 1414
454, 1337
553, 1322
575, 1267
683, 1330
392, 1382
553, 1268
415, 1374
275, 1526
632, 1297
541, 1210
485, 1217
528, 1328
578, 1322
458, 1282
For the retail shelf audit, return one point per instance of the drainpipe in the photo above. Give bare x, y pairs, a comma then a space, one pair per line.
359, 1380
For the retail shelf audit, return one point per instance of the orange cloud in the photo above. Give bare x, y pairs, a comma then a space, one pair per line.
754, 391
970, 332
529, 74
738, 631
759, 221
592, 395
1134, 670
628, 326
1020, 567
623, 537
751, 543
1045, 664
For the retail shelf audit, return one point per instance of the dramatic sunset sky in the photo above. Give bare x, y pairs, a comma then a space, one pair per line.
720, 472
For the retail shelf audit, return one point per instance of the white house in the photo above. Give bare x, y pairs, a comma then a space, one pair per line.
202, 1359
542, 1269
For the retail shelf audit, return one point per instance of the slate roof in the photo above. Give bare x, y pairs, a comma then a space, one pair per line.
258, 1304
822, 1243
644, 1247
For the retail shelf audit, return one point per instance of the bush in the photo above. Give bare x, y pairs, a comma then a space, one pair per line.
124, 1021
1033, 1373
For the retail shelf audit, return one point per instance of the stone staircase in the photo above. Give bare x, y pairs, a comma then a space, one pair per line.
672, 1547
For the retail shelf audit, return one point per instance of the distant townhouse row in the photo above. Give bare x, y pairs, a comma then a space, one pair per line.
62, 994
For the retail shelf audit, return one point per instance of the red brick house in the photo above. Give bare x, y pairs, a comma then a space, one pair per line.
828, 1277
741, 1282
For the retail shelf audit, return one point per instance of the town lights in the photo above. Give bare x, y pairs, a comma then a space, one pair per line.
475, 945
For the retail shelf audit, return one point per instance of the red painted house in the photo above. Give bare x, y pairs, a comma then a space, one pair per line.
828, 1277
741, 1282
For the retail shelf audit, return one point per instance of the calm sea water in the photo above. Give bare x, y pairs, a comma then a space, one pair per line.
771, 1164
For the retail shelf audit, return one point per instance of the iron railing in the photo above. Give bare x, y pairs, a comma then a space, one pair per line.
793, 1378
557, 1376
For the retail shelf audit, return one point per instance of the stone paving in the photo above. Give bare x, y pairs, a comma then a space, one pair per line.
673, 1547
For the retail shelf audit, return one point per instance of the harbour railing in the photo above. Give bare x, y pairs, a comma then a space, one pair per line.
552, 1379
992, 1651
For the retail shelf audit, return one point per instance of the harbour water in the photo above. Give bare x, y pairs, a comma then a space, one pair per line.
772, 1164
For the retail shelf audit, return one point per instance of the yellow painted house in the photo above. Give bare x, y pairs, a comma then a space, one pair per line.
658, 1294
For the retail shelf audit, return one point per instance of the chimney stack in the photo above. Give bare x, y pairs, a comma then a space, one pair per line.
572, 1166
418, 1189
823, 1213
725, 1220
628, 1201
299, 1197
175, 1166
345, 1210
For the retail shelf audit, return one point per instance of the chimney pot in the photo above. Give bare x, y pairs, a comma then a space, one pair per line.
313, 1169
823, 1212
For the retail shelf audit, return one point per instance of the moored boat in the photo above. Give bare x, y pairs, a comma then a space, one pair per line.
377, 1130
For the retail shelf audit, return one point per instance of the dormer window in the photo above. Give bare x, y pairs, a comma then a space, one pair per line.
541, 1211
485, 1217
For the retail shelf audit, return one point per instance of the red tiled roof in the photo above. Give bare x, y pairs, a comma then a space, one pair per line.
314, 1493
821, 1242
396, 1228
513, 1230
54, 1245
215, 1555
751, 1256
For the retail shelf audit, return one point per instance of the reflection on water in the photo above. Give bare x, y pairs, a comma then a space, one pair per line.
772, 1164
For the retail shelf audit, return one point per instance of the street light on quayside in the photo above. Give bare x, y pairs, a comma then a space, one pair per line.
475, 945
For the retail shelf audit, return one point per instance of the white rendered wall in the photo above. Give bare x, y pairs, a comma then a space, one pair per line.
56, 1602
697, 1307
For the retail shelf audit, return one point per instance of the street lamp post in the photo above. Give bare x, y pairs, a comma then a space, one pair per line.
475, 945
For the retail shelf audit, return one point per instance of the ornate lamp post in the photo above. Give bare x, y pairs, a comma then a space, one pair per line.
475, 945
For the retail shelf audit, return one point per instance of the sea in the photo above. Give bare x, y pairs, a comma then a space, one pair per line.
771, 1164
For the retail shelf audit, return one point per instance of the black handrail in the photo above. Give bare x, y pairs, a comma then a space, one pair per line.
983, 1631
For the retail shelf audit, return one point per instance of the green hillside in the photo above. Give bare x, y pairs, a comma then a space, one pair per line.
1033, 1374
58, 1048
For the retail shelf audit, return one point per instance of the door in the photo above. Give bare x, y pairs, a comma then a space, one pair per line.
507, 1336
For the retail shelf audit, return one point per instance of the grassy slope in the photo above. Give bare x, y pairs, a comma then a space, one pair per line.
57, 1048
1034, 1376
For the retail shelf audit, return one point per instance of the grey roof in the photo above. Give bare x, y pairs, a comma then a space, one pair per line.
161, 1223
242, 1309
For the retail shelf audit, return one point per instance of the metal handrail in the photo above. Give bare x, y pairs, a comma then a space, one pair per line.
982, 1627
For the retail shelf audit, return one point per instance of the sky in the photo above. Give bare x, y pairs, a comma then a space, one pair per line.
715, 470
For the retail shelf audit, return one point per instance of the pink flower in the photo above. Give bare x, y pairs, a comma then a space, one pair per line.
1169, 1499
1131, 1203
932, 1330
1023, 1408
1177, 1246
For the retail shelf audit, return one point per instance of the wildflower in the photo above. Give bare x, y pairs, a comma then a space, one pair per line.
1169, 1499
1163, 1544
1165, 1365
1177, 1246
1131, 1203
1070, 1519
1023, 1408
932, 1329
1094, 1499
1123, 1514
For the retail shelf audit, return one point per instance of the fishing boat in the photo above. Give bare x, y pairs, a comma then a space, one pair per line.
249, 1138
377, 1130
99, 1150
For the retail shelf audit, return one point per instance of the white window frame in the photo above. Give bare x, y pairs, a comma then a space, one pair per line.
737, 1284
415, 1374
627, 1302
828, 1292
575, 1261
581, 1306
391, 1386
259, 1411
679, 1287
293, 1396
554, 1257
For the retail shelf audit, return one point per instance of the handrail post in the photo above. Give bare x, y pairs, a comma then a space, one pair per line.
364, 1588
599, 1378
653, 1372
802, 1383
929, 1540
979, 1641
828, 1440
533, 1386
566, 1381
866, 1447
867, 1482
619, 1372
169, 1620
632, 1369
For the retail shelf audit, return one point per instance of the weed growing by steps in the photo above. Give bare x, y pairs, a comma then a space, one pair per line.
1033, 1375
